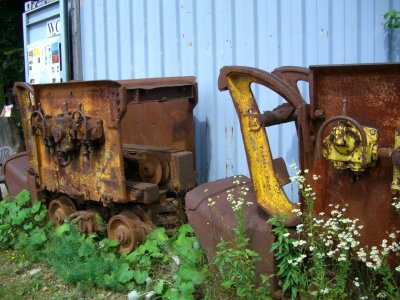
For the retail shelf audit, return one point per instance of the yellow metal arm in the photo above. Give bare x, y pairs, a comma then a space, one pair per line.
270, 196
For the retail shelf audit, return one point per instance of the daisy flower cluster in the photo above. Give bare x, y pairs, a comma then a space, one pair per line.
330, 237
237, 201
375, 257
396, 204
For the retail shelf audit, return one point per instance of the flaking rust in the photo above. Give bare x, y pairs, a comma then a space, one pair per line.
121, 151
352, 144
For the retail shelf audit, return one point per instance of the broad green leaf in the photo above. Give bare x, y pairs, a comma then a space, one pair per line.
62, 229
186, 289
124, 274
35, 207
188, 272
22, 198
159, 287
227, 284
140, 276
160, 236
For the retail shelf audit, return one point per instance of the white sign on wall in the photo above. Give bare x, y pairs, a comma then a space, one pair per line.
53, 27
44, 61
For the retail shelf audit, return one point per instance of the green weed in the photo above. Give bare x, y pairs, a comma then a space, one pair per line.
234, 258
177, 264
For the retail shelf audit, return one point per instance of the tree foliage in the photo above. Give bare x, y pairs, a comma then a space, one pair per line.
11, 46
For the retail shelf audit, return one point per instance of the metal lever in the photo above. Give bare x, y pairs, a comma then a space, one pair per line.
270, 196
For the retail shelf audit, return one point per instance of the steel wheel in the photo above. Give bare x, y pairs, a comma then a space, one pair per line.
60, 209
127, 229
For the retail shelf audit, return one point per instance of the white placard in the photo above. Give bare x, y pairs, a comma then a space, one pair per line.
44, 61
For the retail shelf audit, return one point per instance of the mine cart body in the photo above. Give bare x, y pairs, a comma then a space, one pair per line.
106, 144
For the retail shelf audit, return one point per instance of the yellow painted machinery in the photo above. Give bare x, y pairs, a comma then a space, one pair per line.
121, 152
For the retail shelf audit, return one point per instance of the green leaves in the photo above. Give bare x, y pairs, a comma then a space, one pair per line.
20, 224
124, 274
140, 276
60, 230
285, 254
392, 18
179, 257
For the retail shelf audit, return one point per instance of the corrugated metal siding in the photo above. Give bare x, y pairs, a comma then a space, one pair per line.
150, 38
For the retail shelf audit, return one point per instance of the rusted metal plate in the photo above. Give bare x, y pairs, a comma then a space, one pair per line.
372, 92
75, 132
160, 112
215, 223
100, 177
15, 173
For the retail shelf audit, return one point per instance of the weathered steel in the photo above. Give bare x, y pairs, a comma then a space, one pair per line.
372, 92
52, 106
127, 229
160, 112
369, 161
121, 151
15, 174
59, 209
213, 223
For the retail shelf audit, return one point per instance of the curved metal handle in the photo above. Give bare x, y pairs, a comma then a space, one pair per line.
292, 75
270, 196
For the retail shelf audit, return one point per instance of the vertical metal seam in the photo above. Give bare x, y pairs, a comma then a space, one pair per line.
178, 36
374, 32
132, 39
106, 59
119, 59
162, 58
330, 32
93, 38
344, 32
256, 52
234, 62
214, 84
316, 30
359, 34
195, 38
146, 40
279, 21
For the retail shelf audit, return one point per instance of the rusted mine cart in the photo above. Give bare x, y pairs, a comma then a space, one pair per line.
117, 151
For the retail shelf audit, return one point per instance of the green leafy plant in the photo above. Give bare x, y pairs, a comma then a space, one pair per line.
22, 226
177, 263
234, 258
76, 257
392, 18
11, 47
288, 257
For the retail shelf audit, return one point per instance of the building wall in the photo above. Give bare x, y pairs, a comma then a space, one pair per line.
124, 39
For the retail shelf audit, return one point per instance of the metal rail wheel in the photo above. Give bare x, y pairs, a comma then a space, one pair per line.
127, 229
60, 209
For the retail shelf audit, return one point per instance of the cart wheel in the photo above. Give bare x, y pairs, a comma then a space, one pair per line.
60, 209
127, 229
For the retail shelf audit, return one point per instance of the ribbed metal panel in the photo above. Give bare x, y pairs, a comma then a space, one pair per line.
150, 38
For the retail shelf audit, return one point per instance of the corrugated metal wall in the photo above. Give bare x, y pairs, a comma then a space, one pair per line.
124, 39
